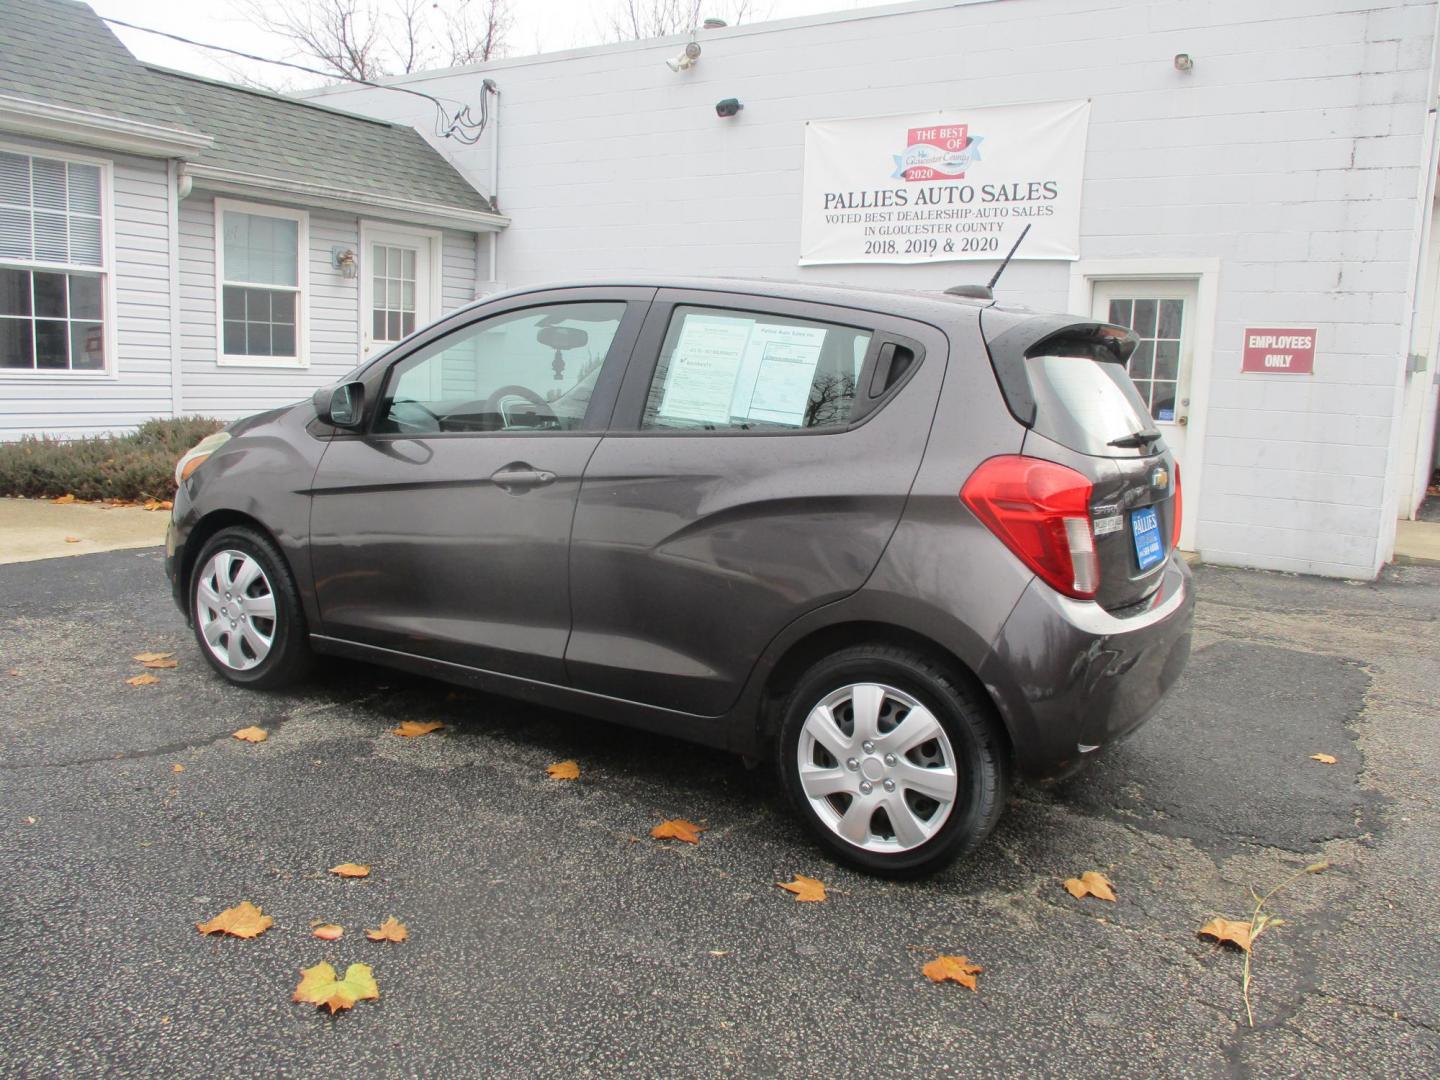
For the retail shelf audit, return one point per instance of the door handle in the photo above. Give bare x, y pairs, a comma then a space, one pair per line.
520, 476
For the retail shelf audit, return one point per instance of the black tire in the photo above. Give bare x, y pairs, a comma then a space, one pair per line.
978, 748
288, 659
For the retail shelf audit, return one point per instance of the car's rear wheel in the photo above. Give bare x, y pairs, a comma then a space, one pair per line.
246, 611
896, 767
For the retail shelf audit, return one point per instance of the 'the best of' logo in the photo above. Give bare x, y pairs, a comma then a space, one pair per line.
938, 153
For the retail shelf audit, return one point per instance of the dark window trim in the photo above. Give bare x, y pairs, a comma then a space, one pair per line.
645, 359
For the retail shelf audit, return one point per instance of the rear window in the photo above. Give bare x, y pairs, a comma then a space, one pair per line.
1087, 404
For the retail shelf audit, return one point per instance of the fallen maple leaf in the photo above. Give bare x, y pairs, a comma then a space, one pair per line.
161, 665
1091, 883
1235, 931
350, 869
158, 504
177, 767
142, 680
955, 968
328, 932
151, 657
319, 986
63, 499
246, 734
411, 728
72, 539
1324, 759
564, 770
244, 920
392, 929
678, 829
806, 889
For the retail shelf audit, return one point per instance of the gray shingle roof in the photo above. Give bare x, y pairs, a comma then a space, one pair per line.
61, 53
264, 133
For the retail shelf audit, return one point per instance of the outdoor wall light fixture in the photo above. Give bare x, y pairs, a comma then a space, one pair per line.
1183, 62
687, 59
344, 260
727, 108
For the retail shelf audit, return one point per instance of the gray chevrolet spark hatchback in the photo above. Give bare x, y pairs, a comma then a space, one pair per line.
900, 544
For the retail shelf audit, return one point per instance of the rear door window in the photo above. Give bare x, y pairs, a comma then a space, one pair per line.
726, 370
1088, 405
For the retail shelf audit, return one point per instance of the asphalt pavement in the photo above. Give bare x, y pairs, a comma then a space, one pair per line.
550, 936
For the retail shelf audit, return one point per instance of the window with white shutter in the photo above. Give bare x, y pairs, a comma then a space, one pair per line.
52, 265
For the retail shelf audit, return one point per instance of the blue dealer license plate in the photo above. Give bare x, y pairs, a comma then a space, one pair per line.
1145, 526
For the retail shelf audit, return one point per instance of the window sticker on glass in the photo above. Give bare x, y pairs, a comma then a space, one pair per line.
784, 359
705, 368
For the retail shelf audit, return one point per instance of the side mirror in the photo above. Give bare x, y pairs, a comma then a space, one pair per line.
342, 405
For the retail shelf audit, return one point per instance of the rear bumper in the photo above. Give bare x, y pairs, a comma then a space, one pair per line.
1070, 678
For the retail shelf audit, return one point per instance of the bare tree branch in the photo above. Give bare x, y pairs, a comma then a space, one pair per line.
477, 31
369, 39
636, 20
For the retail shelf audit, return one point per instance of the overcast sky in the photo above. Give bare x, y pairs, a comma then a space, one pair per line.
540, 26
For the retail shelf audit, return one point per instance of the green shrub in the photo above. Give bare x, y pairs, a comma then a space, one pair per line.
137, 466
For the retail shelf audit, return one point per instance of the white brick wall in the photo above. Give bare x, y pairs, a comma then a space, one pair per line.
1291, 153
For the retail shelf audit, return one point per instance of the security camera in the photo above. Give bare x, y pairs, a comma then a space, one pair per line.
729, 107
686, 60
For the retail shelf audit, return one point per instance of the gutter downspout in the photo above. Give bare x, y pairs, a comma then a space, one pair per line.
491, 88
177, 385
1429, 163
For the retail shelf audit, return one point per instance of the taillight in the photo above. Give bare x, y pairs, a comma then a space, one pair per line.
1175, 538
1041, 512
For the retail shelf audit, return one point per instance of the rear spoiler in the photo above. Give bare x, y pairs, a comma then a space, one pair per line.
1011, 337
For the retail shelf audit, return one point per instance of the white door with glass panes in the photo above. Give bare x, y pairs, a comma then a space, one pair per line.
1162, 314
398, 285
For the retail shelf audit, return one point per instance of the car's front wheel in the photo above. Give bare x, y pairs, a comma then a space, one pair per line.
896, 767
246, 611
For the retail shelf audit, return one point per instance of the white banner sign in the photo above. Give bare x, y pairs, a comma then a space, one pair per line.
945, 186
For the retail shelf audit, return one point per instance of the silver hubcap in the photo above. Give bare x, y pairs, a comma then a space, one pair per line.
877, 767
235, 608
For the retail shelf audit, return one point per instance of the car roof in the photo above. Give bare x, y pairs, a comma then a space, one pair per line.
916, 304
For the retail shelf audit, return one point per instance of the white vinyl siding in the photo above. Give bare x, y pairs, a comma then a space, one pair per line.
457, 263
136, 386
333, 313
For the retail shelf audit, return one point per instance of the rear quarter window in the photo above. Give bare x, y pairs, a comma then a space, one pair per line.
1087, 404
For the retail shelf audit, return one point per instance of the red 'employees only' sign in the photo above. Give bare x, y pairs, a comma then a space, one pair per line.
1279, 351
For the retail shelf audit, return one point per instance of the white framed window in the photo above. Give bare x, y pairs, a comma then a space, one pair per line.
261, 284
55, 290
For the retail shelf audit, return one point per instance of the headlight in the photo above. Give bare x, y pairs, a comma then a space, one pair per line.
197, 455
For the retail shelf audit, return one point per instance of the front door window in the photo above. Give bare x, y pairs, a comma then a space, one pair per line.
392, 291
528, 370
399, 284
1155, 363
